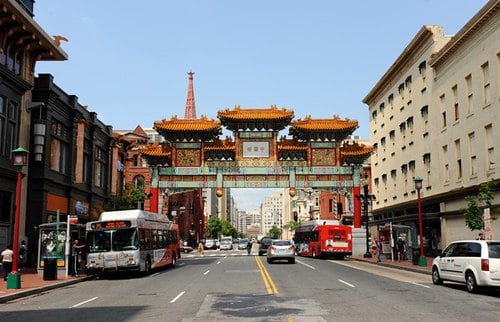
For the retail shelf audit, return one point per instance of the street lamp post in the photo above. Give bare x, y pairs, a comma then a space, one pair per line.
421, 260
19, 159
365, 199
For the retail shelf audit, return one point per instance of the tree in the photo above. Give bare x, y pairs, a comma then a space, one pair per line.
474, 212
275, 232
214, 227
292, 225
128, 200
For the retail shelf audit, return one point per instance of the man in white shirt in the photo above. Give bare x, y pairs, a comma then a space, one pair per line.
7, 256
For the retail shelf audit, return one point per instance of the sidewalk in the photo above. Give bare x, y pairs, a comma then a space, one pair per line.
405, 265
33, 283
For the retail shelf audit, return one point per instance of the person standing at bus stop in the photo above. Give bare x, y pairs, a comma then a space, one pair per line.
76, 253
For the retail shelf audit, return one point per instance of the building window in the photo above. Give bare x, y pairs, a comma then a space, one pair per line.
408, 83
422, 67
374, 116
9, 120
11, 57
59, 147
490, 155
468, 84
454, 92
100, 166
444, 152
427, 166
87, 150
486, 83
458, 156
390, 100
472, 153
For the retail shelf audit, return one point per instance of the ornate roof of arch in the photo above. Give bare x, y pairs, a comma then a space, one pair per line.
271, 118
292, 145
355, 153
200, 129
220, 145
156, 154
323, 129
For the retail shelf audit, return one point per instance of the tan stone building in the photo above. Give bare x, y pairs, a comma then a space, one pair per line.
434, 115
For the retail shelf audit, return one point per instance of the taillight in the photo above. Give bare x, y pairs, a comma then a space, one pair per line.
485, 264
272, 248
291, 248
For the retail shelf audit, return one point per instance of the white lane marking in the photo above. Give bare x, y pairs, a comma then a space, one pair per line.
206, 272
178, 296
306, 265
181, 264
81, 303
348, 284
415, 283
218, 262
155, 274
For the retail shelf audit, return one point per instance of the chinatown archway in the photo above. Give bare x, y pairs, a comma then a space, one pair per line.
316, 154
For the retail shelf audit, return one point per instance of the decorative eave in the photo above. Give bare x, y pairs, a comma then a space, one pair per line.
292, 145
26, 34
220, 145
175, 129
156, 154
323, 129
355, 153
255, 118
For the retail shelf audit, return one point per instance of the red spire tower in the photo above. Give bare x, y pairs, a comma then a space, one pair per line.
190, 112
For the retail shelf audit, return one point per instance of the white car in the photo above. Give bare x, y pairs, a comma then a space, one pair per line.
280, 249
226, 243
473, 262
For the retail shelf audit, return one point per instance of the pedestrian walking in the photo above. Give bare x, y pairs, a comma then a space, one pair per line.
378, 244
22, 253
7, 256
200, 248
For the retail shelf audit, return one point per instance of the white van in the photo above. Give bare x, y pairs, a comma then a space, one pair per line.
226, 243
473, 262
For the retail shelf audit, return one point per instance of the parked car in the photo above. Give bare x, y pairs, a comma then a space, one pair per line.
186, 248
280, 249
264, 244
473, 262
243, 243
210, 244
226, 243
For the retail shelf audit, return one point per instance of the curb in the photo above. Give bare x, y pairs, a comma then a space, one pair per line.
404, 268
37, 290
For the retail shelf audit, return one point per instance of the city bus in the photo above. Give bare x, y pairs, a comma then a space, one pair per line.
131, 240
323, 238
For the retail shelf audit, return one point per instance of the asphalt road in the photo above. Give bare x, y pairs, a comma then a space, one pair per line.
231, 286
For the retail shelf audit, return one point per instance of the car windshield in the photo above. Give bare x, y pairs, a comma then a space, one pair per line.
494, 250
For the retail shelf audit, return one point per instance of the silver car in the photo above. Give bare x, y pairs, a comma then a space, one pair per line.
281, 249
473, 262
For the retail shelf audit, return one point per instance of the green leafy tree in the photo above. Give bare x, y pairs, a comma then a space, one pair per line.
228, 229
474, 212
275, 232
214, 227
128, 200
292, 225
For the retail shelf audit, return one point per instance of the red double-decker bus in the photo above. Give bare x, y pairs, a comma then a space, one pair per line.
131, 240
323, 238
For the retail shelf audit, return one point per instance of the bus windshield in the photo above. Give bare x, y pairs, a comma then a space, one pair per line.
112, 240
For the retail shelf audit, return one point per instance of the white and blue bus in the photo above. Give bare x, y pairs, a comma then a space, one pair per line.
131, 240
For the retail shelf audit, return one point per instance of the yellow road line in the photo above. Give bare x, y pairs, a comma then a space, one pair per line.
270, 286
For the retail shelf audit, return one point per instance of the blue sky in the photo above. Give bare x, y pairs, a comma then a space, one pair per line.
128, 60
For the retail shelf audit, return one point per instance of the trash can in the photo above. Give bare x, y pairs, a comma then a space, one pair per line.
415, 254
50, 268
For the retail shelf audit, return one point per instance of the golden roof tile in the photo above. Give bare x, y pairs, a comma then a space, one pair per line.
335, 123
272, 113
187, 125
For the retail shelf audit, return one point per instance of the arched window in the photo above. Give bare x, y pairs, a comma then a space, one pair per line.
139, 182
